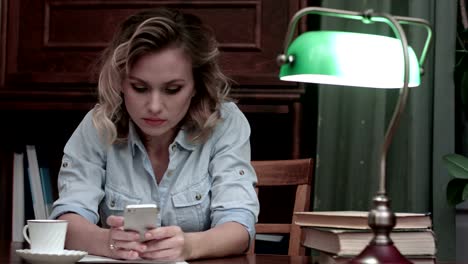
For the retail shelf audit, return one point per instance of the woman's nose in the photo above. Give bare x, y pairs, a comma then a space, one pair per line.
155, 102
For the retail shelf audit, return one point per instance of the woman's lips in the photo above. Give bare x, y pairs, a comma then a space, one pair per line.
154, 121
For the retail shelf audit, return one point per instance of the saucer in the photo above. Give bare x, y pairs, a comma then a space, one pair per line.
66, 257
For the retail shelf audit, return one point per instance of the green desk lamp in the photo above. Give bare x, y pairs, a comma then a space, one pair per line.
362, 60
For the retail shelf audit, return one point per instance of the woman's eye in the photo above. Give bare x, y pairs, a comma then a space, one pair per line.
139, 88
173, 89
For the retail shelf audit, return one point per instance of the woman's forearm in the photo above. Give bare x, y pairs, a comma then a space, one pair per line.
86, 236
226, 239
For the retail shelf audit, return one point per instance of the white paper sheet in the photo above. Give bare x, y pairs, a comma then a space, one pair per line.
99, 259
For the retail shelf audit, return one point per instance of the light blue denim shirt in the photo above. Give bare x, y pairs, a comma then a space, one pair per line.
205, 184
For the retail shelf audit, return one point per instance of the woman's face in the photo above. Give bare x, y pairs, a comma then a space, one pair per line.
158, 91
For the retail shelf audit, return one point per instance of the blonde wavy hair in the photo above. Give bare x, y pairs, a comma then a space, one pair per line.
147, 32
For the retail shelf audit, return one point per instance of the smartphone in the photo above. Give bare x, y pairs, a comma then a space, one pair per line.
141, 218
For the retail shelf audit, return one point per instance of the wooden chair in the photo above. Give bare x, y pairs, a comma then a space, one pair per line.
294, 172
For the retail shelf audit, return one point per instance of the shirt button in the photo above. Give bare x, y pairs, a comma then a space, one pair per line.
65, 164
169, 173
112, 204
241, 172
173, 147
198, 196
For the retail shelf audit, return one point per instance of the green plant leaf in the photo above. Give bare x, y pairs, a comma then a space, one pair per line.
457, 191
457, 165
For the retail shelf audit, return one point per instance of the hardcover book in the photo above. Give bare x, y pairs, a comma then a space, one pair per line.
350, 242
358, 220
326, 258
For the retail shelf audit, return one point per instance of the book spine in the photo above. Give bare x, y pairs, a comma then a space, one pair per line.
18, 218
46, 189
28, 199
35, 180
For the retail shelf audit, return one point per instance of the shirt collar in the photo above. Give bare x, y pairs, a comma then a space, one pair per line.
182, 140
134, 139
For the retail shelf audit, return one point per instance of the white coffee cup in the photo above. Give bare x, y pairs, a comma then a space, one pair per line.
46, 236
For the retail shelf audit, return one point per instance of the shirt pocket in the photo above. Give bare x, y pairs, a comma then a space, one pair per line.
192, 206
114, 203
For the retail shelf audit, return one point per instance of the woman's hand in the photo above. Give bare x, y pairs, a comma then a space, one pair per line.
167, 243
123, 244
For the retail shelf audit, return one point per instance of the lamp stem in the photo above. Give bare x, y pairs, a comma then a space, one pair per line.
401, 103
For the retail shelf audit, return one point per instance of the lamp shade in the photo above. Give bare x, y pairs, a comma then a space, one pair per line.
350, 59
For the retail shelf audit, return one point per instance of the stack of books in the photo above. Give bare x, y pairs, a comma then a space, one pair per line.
338, 236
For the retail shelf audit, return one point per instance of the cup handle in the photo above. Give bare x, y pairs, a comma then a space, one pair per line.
25, 233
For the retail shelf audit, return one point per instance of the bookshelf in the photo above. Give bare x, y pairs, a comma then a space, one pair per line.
48, 130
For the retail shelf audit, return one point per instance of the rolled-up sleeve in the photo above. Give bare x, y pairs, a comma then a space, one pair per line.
82, 173
234, 179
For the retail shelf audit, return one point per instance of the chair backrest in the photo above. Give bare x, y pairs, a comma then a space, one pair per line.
294, 172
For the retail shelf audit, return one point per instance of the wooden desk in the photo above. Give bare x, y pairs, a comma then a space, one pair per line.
8, 256
256, 259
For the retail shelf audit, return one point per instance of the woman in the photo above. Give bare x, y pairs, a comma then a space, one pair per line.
163, 132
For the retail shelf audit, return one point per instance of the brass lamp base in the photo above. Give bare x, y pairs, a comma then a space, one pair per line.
381, 248
374, 254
